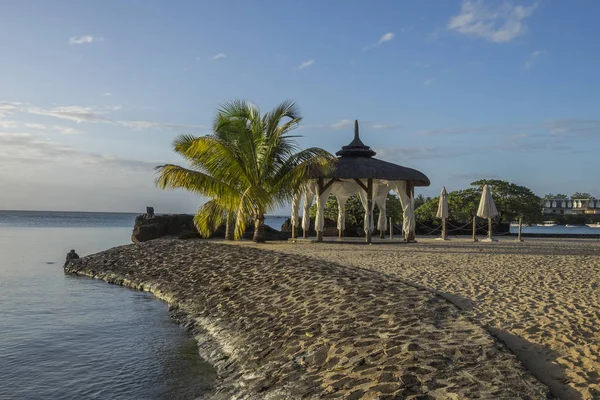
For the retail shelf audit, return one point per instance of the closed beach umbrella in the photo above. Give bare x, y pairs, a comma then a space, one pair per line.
487, 208
442, 211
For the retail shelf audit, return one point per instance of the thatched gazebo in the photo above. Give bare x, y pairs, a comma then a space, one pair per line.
358, 172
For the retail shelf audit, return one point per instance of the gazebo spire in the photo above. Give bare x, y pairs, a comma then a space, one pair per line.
356, 148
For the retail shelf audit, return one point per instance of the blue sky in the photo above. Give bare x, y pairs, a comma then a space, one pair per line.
93, 93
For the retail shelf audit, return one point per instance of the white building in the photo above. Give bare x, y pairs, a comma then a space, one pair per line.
571, 206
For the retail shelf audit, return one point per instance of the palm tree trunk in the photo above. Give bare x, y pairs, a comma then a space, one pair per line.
229, 227
259, 229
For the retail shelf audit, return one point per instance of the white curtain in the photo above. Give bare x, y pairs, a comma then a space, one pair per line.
341, 222
380, 198
309, 196
342, 190
368, 222
295, 207
408, 206
320, 220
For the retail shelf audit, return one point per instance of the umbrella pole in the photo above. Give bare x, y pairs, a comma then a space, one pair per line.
293, 231
474, 229
520, 227
444, 233
490, 228
391, 229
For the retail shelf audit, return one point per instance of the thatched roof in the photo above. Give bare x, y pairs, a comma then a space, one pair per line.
355, 161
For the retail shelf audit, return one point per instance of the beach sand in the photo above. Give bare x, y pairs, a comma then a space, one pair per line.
280, 326
541, 297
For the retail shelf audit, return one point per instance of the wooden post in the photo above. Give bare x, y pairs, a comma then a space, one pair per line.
474, 228
520, 227
369, 208
391, 229
341, 209
489, 228
319, 211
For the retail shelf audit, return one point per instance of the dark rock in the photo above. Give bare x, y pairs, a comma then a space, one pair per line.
270, 233
150, 212
72, 255
153, 227
182, 226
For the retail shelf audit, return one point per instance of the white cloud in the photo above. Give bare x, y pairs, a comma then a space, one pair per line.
25, 148
574, 126
72, 113
342, 124
107, 94
306, 64
429, 81
8, 124
65, 130
386, 37
8, 108
88, 114
532, 58
87, 39
496, 23
379, 126
218, 56
347, 124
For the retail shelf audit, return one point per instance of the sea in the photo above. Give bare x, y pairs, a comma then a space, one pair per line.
68, 337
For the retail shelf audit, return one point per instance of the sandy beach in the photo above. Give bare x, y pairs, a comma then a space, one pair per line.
287, 326
541, 297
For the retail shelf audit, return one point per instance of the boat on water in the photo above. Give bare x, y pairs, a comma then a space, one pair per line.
573, 226
547, 223
596, 225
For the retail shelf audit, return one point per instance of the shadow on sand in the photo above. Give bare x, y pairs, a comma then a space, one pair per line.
539, 360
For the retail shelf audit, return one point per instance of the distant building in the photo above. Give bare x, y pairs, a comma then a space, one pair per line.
571, 206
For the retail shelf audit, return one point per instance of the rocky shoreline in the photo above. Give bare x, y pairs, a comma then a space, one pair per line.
279, 326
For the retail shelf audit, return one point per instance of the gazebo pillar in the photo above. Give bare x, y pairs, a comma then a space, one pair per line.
341, 215
369, 208
319, 192
410, 192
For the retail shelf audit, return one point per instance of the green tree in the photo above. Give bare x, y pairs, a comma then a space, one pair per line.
462, 206
579, 195
420, 200
551, 196
248, 165
513, 201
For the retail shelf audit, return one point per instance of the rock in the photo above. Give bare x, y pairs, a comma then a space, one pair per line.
182, 226
270, 233
150, 212
149, 227
72, 255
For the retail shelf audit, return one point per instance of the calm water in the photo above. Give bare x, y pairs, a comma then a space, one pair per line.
66, 337
558, 229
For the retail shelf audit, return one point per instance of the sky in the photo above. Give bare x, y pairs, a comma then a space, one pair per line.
92, 94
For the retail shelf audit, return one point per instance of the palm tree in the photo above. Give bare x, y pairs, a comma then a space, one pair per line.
249, 165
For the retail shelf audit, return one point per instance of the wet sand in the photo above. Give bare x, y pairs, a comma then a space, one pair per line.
288, 326
541, 297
